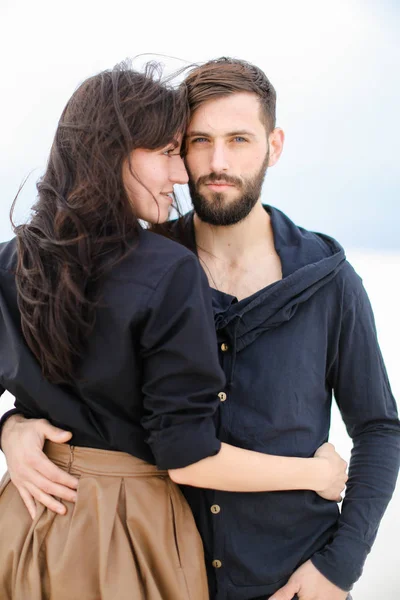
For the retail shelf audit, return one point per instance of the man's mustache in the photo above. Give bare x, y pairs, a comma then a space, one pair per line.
219, 178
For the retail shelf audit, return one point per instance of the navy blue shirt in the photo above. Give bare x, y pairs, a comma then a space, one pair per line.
285, 350
150, 376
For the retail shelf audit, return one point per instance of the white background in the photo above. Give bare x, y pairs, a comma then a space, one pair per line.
336, 70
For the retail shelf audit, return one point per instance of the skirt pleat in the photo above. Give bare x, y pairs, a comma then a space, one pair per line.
129, 536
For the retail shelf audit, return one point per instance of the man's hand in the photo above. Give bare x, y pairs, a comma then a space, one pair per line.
32, 473
309, 584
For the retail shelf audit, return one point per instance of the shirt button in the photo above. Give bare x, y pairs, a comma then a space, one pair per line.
224, 347
215, 509
222, 396
217, 564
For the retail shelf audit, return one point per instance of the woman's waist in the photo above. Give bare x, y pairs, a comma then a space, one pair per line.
80, 459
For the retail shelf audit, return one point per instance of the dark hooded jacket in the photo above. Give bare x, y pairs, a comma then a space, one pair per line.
285, 351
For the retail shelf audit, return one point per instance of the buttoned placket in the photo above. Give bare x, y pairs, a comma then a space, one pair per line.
217, 559
216, 497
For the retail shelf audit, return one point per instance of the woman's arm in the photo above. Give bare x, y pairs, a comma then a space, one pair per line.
37, 478
239, 470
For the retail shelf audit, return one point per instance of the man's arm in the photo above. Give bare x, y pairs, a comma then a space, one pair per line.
367, 406
358, 377
36, 477
6, 416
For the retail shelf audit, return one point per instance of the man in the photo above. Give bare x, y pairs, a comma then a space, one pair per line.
294, 325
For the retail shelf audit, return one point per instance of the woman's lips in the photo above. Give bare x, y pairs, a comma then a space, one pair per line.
169, 196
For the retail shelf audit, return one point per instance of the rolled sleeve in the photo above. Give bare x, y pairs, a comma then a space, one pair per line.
181, 372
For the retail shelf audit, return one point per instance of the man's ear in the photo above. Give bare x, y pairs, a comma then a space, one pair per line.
276, 140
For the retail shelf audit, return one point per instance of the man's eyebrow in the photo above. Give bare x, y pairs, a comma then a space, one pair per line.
197, 133
228, 134
240, 132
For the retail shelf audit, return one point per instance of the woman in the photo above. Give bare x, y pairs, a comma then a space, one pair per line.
106, 330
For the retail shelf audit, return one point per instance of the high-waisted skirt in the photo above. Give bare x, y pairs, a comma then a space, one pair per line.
130, 535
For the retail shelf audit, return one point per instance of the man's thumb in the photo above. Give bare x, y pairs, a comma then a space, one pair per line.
54, 434
287, 592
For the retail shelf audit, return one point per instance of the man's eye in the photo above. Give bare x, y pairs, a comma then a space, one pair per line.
199, 140
239, 139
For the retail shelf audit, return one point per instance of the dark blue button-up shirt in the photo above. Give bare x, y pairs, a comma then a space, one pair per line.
285, 350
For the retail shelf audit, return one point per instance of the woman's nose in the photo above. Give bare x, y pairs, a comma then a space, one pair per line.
178, 171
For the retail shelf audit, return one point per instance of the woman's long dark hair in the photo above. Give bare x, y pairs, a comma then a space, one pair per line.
83, 222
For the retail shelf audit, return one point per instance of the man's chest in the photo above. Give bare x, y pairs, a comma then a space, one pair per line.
244, 278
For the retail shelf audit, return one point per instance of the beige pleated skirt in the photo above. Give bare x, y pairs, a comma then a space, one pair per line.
130, 536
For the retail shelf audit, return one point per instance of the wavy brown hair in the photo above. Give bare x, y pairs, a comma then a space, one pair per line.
224, 76
83, 223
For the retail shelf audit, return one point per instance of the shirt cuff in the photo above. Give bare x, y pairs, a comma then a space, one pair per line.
7, 415
181, 445
342, 561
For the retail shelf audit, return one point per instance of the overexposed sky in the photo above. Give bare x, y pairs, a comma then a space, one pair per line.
335, 67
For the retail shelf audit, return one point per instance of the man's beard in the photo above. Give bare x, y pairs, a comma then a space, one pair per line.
217, 210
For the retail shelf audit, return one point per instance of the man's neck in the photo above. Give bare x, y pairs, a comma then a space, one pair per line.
236, 242
241, 259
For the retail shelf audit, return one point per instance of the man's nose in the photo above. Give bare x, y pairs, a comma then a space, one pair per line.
219, 160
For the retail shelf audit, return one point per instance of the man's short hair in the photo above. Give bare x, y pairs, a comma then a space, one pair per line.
224, 76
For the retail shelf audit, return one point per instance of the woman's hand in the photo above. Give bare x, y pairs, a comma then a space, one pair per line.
334, 473
32, 473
